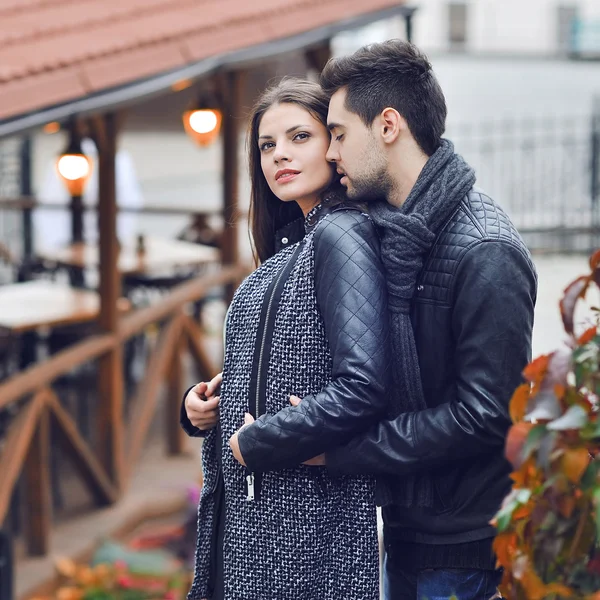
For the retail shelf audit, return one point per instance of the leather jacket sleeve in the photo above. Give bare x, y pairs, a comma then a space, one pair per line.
351, 294
494, 297
186, 424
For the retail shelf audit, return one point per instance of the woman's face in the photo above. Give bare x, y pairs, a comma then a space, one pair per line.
292, 146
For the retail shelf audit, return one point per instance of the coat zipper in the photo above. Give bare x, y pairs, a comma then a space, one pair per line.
253, 479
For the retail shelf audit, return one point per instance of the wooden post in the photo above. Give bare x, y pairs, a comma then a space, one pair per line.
317, 57
110, 375
231, 94
37, 477
175, 392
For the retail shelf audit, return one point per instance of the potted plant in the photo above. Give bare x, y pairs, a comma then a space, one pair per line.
549, 523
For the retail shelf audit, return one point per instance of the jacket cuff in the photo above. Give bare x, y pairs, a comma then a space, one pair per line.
246, 446
336, 462
186, 424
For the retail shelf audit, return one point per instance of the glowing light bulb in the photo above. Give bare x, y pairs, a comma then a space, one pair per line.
73, 166
203, 121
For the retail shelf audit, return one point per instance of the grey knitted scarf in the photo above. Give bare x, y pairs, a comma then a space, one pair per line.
407, 236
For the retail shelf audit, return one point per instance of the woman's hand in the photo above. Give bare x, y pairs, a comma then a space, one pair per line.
201, 404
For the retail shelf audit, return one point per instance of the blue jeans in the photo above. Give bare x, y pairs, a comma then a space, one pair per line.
438, 584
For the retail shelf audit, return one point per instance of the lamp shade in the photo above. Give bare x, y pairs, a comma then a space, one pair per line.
203, 125
74, 168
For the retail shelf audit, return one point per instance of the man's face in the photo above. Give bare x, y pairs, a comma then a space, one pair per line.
355, 149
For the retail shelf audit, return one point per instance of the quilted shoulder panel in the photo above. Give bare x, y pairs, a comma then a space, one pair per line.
477, 219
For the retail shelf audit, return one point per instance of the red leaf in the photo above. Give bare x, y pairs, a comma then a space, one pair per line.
588, 335
566, 506
595, 260
536, 369
518, 402
532, 584
559, 589
559, 365
572, 294
505, 546
515, 440
574, 463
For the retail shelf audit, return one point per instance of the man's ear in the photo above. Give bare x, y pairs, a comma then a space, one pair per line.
391, 125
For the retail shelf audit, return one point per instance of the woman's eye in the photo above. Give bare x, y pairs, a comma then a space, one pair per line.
266, 146
338, 138
301, 136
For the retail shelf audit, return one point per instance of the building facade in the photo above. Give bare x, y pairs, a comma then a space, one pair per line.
540, 27
533, 27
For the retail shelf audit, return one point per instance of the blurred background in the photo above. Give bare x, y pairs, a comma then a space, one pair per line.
116, 270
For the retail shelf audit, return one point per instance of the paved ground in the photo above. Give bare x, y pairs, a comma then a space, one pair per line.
161, 481
159, 487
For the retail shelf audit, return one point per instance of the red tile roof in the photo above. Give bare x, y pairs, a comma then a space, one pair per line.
55, 51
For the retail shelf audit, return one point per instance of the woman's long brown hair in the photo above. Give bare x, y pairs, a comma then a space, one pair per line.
267, 212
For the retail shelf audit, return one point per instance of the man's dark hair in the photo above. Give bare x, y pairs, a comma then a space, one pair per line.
392, 74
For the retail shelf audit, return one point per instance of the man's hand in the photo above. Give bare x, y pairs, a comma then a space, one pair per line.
317, 461
233, 441
201, 404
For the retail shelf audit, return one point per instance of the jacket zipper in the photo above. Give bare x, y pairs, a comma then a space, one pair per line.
253, 479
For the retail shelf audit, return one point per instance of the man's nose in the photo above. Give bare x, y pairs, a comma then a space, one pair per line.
332, 155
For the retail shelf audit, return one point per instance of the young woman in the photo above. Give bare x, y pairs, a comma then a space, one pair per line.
311, 320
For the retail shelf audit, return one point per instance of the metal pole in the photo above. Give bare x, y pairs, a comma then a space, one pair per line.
408, 13
27, 220
76, 275
6, 566
595, 172
76, 219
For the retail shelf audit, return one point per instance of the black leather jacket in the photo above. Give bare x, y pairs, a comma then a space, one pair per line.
473, 319
352, 298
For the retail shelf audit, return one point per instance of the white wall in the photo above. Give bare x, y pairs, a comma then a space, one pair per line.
499, 26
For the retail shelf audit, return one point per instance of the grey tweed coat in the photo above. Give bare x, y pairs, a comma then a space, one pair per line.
298, 533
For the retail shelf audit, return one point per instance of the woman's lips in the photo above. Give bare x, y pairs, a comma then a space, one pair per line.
286, 177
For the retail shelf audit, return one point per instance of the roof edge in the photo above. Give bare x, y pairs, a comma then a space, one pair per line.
129, 94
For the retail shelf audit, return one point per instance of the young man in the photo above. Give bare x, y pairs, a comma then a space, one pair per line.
459, 269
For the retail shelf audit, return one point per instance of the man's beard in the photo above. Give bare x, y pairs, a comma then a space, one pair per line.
374, 186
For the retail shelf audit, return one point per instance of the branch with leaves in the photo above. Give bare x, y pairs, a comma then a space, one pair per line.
549, 524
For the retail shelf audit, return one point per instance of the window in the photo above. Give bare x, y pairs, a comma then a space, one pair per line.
566, 19
457, 24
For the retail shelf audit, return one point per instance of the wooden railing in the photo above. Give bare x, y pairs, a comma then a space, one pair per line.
26, 449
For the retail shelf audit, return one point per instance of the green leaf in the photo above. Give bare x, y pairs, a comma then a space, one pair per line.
533, 440
522, 496
590, 476
516, 498
544, 406
590, 431
576, 417
597, 509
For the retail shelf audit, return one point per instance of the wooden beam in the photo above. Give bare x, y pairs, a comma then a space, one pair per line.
110, 375
231, 84
144, 404
38, 510
194, 338
15, 447
317, 56
175, 377
44, 373
79, 452
182, 294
